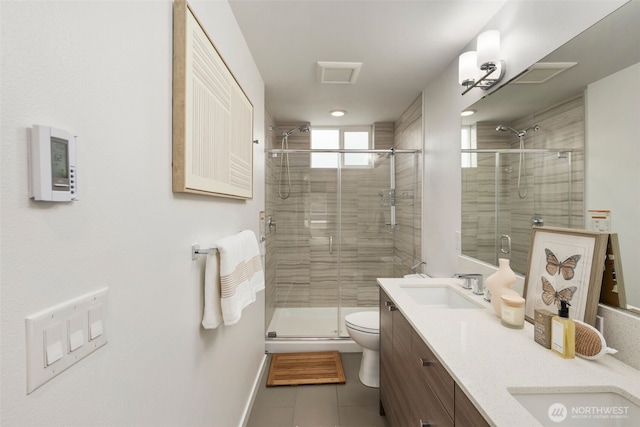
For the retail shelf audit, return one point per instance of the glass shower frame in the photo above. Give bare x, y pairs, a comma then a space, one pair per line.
343, 247
503, 219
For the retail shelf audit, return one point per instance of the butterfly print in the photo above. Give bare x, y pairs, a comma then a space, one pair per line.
550, 296
566, 267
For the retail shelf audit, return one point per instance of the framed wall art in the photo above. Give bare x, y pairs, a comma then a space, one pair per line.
565, 264
212, 116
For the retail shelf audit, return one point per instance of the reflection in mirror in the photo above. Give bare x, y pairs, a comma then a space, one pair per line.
556, 141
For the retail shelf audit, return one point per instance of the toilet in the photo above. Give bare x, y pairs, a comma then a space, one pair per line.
364, 328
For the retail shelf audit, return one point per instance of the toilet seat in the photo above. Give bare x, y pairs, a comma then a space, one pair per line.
364, 321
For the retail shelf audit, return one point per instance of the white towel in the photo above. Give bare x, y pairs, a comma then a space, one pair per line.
212, 317
241, 274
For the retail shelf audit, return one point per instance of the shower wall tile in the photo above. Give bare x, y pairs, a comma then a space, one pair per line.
547, 178
408, 235
292, 294
383, 135
306, 274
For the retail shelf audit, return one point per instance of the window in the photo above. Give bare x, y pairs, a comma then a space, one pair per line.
469, 160
352, 138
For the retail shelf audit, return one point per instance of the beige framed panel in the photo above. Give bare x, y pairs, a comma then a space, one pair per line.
613, 292
212, 116
565, 264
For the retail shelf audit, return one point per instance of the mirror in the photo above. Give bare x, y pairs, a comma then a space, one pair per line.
580, 149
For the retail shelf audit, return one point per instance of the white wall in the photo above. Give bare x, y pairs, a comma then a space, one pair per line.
103, 71
612, 155
529, 30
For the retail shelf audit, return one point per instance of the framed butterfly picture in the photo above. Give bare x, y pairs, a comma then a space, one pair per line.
565, 264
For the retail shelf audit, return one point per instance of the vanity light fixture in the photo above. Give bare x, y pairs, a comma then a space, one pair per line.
482, 68
337, 113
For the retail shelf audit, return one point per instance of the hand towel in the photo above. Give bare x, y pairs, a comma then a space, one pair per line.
241, 274
212, 317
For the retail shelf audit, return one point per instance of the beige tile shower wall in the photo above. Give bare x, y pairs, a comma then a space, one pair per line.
295, 208
479, 198
308, 218
367, 245
561, 126
407, 237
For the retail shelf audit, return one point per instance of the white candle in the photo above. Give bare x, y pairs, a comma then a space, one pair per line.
512, 311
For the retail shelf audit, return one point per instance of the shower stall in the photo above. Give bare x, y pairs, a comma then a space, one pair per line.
331, 231
506, 192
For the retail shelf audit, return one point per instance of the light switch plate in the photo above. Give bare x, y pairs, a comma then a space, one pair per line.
58, 337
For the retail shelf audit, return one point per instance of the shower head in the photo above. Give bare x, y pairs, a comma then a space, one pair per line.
505, 128
520, 134
301, 128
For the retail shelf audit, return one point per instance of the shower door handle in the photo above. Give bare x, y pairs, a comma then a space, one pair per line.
330, 244
505, 238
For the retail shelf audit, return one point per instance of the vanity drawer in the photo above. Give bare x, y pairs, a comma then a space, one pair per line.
466, 413
433, 373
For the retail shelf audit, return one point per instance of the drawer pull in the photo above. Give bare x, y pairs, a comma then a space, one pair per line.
425, 362
392, 307
424, 423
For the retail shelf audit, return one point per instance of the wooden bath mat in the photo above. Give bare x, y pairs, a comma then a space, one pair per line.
305, 368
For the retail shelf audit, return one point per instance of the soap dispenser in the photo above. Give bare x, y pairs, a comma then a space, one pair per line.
563, 332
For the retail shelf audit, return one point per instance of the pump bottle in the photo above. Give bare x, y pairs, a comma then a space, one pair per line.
563, 333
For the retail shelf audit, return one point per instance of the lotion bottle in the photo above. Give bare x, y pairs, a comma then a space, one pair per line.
563, 333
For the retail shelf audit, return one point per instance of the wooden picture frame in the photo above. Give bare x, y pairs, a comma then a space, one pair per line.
212, 116
565, 264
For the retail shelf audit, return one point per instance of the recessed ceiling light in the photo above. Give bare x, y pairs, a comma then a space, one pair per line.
338, 113
466, 113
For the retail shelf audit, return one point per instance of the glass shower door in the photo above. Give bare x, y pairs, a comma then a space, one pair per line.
331, 238
324, 241
302, 248
366, 235
535, 189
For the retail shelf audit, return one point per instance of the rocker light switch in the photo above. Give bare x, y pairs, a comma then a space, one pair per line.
95, 322
52, 344
76, 332
60, 336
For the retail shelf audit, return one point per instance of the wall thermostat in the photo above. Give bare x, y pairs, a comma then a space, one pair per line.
52, 165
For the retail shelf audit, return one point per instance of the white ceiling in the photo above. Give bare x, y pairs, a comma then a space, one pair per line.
403, 45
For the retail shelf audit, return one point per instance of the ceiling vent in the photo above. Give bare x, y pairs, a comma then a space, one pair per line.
338, 72
542, 71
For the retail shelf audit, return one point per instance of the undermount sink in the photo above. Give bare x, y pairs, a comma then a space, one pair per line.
570, 407
438, 297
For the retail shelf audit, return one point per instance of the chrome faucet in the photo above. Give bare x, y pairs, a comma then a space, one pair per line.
415, 267
418, 265
472, 281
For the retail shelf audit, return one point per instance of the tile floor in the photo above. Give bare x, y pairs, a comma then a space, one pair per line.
331, 405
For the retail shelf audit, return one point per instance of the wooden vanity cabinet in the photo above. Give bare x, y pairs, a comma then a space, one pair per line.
393, 400
433, 374
415, 389
466, 414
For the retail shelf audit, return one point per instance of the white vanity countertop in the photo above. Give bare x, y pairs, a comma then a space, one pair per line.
486, 359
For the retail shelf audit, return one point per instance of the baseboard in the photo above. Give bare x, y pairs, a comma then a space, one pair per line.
254, 392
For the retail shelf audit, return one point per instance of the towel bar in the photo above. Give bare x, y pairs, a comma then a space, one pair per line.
195, 251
